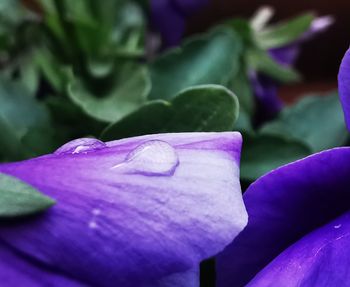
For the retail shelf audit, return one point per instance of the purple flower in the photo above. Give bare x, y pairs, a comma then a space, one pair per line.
344, 86
298, 232
136, 212
168, 17
269, 104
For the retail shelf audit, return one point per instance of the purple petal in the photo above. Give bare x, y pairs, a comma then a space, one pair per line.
283, 206
189, 7
16, 270
136, 211
318, 26
320, 259
269, 104
168, 17
168, 21
187, 279
287, 55
344, 86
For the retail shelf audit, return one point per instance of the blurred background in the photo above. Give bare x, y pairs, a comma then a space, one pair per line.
320, 58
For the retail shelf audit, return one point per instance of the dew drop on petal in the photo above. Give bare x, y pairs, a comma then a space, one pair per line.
93, 225
83, 145
96, 211
153, 157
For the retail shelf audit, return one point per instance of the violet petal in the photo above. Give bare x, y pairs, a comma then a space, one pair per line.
130, 214
189, 7
16, 270
168, 21
187, 279
344, 86
283, 206
321, 258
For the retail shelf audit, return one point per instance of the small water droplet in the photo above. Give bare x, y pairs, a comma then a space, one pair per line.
153, 157
93, 224
83, 145
96, 211
337, 226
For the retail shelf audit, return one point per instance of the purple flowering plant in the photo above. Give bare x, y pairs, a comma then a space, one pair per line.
306, 206
121, 157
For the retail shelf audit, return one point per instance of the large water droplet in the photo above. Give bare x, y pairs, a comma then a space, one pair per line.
83, 145
153, 157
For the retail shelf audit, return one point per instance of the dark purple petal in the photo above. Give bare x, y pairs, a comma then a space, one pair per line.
168, 21
189, 7
168, 17
16, 270
186, 279
132, 211
283, 206
344, 86
285, 56
269, 104
320, 259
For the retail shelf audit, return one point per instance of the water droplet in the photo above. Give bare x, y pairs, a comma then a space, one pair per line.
93, 222
83, 145
96, 211
337, 226
93, 225
153, 157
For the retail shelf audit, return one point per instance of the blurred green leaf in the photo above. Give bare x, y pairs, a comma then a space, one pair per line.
242, 87
30, 75
128, 94
263, 153
207, 59
284, 33
22, 117
10, 146
20, 199
244, 122
70, 122
317, 121
243, 28
201, 108
260, 61
51, 69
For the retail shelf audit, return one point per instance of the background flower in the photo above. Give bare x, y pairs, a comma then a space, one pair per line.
298, 228
265, 88
169, 17
299, 222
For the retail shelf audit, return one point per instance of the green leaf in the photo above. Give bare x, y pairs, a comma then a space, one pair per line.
20, 199
315, 120
243, 28
263, 153
201, 108
70, 122
242, 87
51, 69
244, 122
10, 146
260, 61
128, 94
22, 117
208, 59
284, 33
